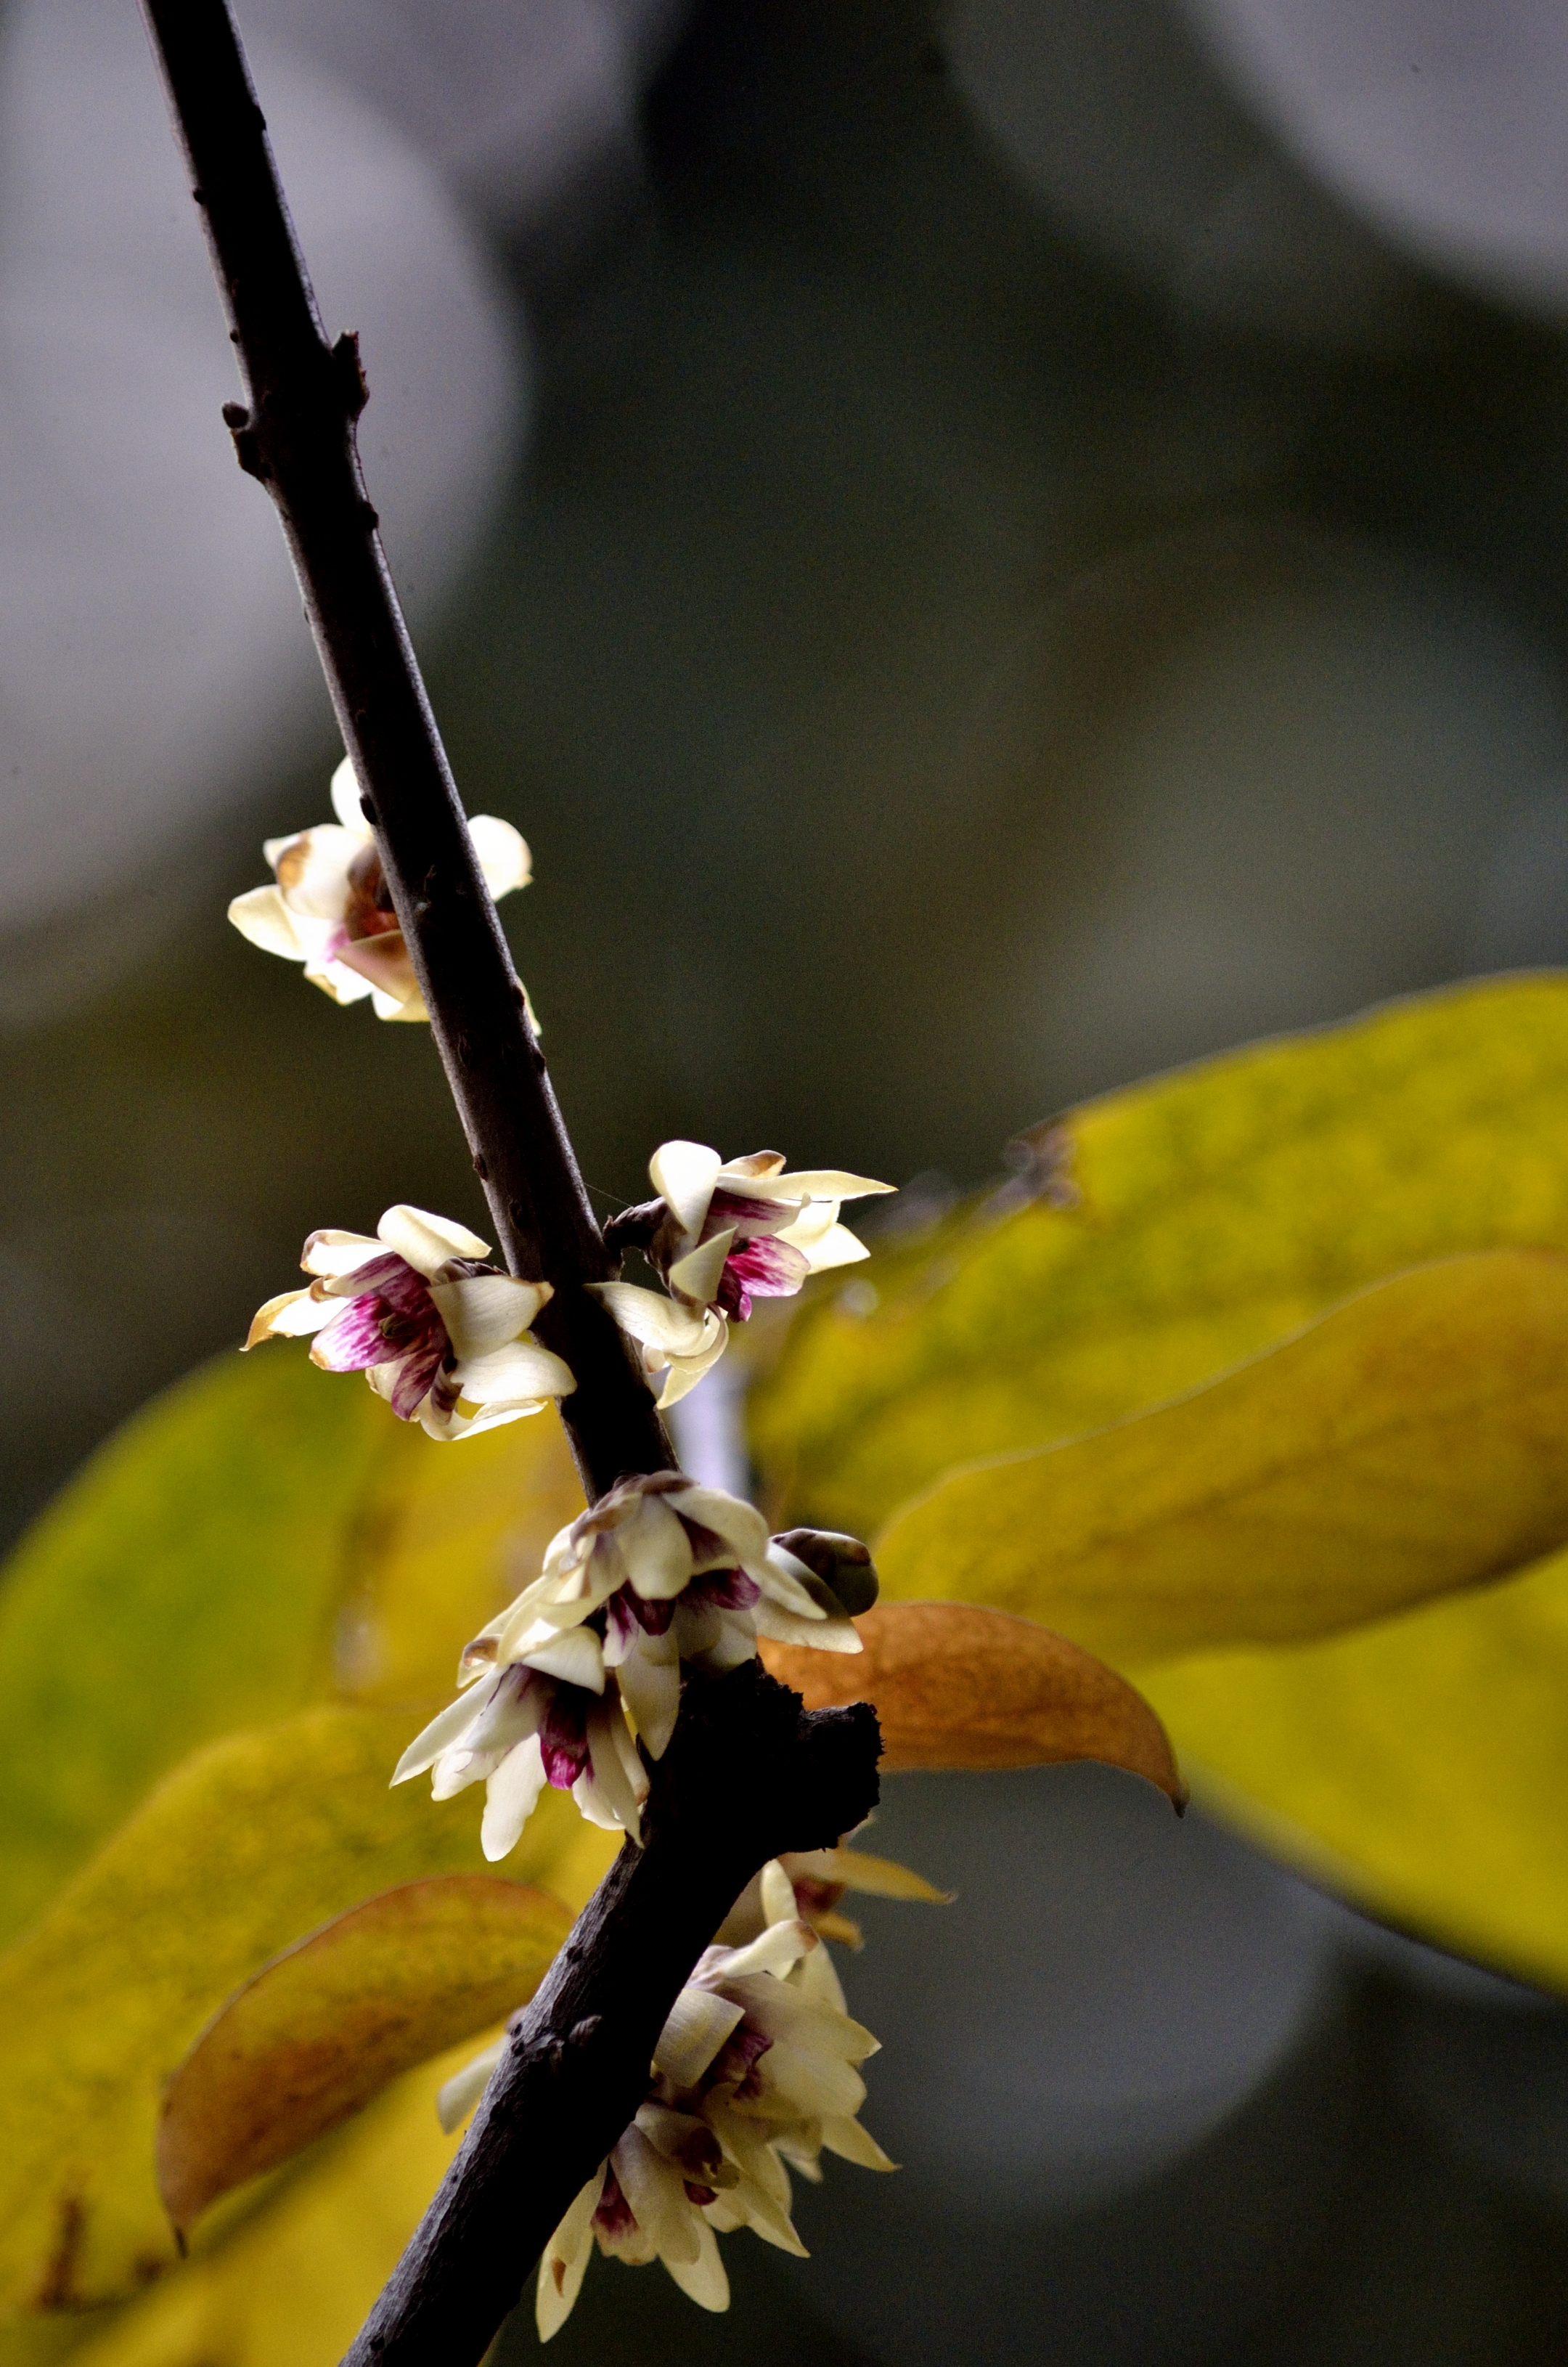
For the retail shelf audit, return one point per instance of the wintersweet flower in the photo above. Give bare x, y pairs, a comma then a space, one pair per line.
671, 1573
759, 2034
438, 1333
753, 2069
330, 907
554, 1717
722, 1234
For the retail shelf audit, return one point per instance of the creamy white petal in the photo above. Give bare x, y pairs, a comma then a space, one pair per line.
843, 2135
706, 2281
312, 870
805, 1183
815, 2085
565, 2261
611, 1789
484, 1311
715, 1641
262, 916
699, 2024
683, 1175
445, 1728
822, 1635
514, 1374
573, 1654
660, 1322
833, 1245
776, 1892
408, 1006
685, 1372
510, 1796
346, 799
456, 2097
502, 851
653, 2186
739, 1524
334, 978
698, 1274
658, 1550
330, 1253
650, 1679
427, 1240
775, 1951
292, 1315
782, 1578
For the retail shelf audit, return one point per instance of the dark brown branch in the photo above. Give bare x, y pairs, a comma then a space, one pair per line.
296, 435
748, 1775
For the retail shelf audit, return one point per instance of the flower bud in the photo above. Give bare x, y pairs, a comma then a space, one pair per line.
843, 1567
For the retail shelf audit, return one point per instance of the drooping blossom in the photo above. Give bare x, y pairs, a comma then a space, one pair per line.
438, 1333
672, 1573
329, 905
722, 1234
553, 1716
755, 2069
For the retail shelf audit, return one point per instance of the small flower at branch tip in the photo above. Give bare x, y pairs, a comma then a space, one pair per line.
443, 1336
330, 907
721, 1234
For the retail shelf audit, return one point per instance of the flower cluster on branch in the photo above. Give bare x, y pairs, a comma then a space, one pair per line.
755, 2075
662, 1576
720, 1235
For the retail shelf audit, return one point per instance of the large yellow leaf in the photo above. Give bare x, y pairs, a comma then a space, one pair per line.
291, 2285
313, 2036
246, 1847
1420, 1764
1413, 1441
261, 1536
1218, 1209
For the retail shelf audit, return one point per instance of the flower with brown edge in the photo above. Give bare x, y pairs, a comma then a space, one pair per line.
673, 1574
721, 1234
553, 1717
440, 1334
329, 905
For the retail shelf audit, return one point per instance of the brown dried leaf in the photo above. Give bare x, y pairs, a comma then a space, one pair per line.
956, 1686
321, 2029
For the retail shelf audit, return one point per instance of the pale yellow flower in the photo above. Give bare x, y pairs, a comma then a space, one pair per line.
329, 906
732, 1232
438, 1333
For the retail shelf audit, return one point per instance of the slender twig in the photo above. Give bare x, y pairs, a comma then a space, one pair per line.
296, 435
749, 1773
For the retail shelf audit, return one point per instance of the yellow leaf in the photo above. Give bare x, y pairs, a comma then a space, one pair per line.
253, 1841
314, 2034
184, 1584
291, 2285
957, 1686
1218, 1209
1412, 1442
1420, 1764
261, 1536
